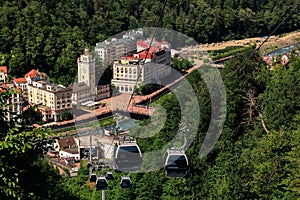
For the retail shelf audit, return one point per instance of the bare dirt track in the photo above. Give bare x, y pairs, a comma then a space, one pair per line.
272, 42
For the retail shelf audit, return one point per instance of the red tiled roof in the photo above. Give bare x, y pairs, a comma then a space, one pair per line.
145, 43
142, 43
20, 80
4, 69
32, 73
142, 54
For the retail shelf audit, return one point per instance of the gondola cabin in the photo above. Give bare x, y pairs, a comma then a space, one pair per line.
89, 165
176, 164
93, 178
125, 183
109, 176
128, 156
101, 183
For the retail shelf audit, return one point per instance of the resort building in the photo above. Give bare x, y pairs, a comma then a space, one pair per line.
113, 49
150, 66
52, 99
86, 71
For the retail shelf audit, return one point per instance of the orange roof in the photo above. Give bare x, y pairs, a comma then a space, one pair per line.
10, 85
4, 85
32, 73
20, 80
4, 69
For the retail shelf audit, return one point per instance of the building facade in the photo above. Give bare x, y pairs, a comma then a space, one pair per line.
87, 89
33, 75
110, 50
67, 148
52, 99
149, 66
23, 84
14, 105
80, 93
103, 92
86, 71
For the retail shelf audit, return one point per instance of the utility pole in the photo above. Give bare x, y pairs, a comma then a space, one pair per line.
90, 159
103, 191
103, 195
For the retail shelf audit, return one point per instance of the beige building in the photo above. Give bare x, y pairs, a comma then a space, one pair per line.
103, 92
52, 99
80, 93
125, 71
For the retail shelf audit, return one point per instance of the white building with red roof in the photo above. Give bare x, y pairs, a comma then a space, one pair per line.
3, 74
149, 65
33, 75
23, 84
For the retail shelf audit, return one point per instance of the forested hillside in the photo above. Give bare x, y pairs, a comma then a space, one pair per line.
50, 35
256, 157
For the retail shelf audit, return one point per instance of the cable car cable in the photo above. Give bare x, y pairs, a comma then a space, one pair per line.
147, 51
272, 32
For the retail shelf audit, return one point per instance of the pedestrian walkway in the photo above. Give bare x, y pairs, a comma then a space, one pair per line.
120, 102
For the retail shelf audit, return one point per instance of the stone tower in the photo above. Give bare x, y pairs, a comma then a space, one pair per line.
86, 70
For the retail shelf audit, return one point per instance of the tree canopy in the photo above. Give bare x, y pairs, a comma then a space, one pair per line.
256, 157
51, 35
257, 154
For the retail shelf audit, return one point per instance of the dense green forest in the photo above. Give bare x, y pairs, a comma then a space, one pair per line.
256, 157
50, 35
258, 153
